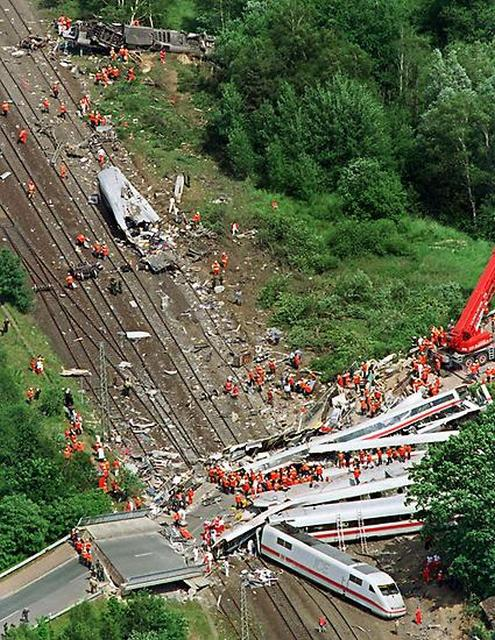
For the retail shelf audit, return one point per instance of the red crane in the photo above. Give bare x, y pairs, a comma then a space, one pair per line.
467, 336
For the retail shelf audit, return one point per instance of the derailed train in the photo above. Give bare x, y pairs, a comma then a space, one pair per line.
98, 35
360, 582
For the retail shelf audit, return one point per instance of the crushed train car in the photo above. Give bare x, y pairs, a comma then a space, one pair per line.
98, 35
132, 212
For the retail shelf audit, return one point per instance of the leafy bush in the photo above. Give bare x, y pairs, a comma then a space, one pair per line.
23, 529
51, 401
369, 191
272, 289
14, 286
352, 238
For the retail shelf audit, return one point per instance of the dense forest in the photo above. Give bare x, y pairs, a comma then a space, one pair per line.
385, 103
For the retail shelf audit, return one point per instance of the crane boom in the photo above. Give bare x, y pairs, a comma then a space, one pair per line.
467, 335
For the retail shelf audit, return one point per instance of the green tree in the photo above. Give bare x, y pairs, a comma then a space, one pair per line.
84, 624
454, 163
23, 529
454, 20
14, 287
65, 512
346, 121
369, 191
148, 614
453, 485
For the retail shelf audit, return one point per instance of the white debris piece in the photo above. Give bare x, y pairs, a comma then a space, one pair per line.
75, 372
259, 578
137, 335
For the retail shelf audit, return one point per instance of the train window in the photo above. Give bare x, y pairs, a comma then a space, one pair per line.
388, 589
355, 579
371, 588
284, 543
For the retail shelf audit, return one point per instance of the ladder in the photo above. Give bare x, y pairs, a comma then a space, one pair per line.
340, 533
245, 626
362, 533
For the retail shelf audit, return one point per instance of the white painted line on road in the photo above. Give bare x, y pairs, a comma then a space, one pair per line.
141, 555
10, 615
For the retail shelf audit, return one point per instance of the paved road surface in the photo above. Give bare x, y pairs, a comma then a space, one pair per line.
50, 594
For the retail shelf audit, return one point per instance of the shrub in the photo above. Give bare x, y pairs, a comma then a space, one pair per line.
353, 238
51, 401
369, 191
14, 286
270, 293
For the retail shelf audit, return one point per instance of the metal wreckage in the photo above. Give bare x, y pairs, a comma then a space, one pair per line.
100, 36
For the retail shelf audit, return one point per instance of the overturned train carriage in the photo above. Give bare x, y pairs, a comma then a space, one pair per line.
97, 35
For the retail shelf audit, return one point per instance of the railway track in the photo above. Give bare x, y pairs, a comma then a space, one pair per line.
294, 588
296, 625
72, 321
231, 610
224, 434
93, 316
325, 602
200, 308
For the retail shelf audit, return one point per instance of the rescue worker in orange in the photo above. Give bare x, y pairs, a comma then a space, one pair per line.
101, 157
62, 111
224, 259
45, 105
56, 89
31, 189
131, 75
63, 171
70, 281
23, 136
81, 240
5, 106
216, 272
124, 54
163, 56
474, 369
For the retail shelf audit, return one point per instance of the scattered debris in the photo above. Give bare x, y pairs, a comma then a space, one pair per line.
33, 42
159, 262
68, 373
259, 578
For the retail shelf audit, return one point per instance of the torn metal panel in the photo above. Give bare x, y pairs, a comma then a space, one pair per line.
392, 441
137, 335
160, 262
98, 35
131, 210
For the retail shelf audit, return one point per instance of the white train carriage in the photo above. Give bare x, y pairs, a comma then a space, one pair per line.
410, 413
375, 518
366, 585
